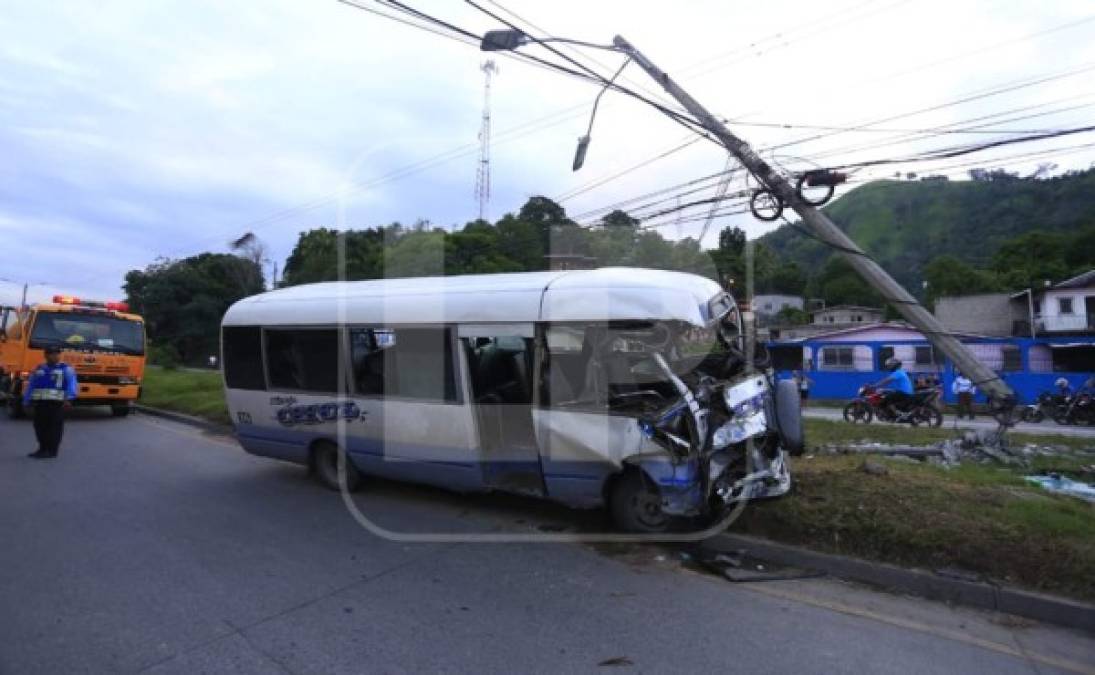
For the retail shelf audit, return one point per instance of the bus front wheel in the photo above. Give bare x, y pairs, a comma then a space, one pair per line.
636, 505
325, 463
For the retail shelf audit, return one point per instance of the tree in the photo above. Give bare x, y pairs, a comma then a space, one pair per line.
792, 316
250, 247
618, 218
418, 253
183, 301
521, 242
476, 250
314, 258
788, 278
729, 259
839, 284
1029, 259
946, 275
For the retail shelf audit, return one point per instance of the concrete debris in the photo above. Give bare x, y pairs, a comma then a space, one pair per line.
952, 454
984, 447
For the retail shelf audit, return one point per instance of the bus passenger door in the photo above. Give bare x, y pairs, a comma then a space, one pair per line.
500, 361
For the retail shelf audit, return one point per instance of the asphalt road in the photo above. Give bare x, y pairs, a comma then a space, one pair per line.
151, 547
1047, 427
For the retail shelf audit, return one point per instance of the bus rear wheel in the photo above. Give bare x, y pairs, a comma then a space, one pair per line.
325, 463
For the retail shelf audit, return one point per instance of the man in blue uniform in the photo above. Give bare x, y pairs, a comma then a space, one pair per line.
51, 389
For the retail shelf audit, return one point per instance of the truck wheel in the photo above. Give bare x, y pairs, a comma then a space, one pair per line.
325, 463
119, 410
635, 505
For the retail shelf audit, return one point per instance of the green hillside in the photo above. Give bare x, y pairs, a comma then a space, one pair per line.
904, 224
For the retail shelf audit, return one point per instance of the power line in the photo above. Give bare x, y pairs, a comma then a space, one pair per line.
467, 37
471, 39
1008, 87
728, 207
683, 119
945, 129
646, 162
907, 138
889, 77
661, 96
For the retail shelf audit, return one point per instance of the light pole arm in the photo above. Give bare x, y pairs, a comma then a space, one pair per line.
828, 233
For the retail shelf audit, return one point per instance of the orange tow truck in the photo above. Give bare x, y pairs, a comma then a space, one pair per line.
101, 340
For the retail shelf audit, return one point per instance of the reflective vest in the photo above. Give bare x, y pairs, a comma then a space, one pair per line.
51, 383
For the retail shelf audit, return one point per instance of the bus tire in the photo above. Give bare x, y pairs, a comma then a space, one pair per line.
325, 463
119, 410
788, 414
635, 504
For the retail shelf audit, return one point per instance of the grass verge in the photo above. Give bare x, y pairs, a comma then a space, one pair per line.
982, 518
190, 392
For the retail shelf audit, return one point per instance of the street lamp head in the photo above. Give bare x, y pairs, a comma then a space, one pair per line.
503, 40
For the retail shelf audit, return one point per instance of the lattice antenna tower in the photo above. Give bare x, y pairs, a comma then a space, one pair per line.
482, 173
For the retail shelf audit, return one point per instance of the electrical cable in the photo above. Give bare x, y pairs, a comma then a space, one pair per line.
1008, 87
945, 128
685, 120
588, 186
662, 97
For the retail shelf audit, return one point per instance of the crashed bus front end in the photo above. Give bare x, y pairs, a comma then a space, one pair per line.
687, 420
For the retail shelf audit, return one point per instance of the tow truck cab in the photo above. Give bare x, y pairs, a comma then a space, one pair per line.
102, 341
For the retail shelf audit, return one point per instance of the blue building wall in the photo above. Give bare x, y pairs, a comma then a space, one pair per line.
843, 384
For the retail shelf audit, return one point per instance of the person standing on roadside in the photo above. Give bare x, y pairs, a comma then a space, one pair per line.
51, 389
964, 388
803, 384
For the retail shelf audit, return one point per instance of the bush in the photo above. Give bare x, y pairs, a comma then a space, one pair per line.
165, 356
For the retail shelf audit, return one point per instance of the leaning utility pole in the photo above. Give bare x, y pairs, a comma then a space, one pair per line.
830, 234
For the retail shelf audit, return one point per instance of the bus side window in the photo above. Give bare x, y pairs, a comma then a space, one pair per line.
367, 355
303, 359
242, 358
411, 363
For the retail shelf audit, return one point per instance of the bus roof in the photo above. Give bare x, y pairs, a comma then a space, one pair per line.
605, 294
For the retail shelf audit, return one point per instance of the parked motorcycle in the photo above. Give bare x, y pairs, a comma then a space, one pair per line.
1080, 410
869, 403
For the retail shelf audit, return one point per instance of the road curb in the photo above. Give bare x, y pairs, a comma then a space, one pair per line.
1045, 608
183, 418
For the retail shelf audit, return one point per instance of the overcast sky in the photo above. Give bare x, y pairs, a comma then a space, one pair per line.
134, 130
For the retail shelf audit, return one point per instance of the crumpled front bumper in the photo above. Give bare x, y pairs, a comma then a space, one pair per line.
686, 490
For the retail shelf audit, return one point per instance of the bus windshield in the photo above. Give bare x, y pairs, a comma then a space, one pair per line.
88, 332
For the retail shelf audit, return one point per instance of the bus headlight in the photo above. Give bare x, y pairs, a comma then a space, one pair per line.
746, 398
745, 402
